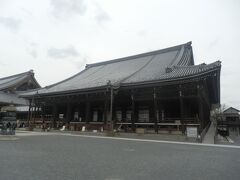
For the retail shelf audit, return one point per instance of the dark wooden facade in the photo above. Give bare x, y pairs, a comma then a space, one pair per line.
167, 107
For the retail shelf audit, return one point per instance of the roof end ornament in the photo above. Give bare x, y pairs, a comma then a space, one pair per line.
168, 69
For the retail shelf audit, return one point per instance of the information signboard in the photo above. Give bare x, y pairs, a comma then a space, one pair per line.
192, 132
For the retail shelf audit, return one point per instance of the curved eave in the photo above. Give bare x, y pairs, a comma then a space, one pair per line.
175, 80
60, 93
167, 81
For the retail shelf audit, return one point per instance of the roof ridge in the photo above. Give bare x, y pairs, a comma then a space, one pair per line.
15, 75
232, 108
198, 65
139, 55
17, 78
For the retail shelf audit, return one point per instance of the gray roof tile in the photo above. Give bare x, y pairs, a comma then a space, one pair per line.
147, 67
8, 98
10, 81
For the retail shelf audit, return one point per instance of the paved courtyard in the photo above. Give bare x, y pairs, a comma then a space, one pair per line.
64, 156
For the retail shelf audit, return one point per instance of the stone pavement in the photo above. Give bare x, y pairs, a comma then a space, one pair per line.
165, 137
8, 138
63, 156
209, 137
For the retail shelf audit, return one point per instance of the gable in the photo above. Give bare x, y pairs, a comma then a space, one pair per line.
231, 110
19, 82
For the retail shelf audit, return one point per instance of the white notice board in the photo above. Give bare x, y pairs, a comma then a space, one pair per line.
192, 132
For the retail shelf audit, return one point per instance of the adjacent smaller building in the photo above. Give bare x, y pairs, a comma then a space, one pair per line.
11, 86
231, 120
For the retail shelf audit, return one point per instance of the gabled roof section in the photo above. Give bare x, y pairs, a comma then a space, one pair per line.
231, 110
17, 79
181, 58
157, 66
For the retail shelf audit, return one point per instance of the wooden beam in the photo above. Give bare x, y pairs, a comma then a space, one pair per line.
54, 111
87, 112
111, 109
133, 117
105, 111
29, 112
200, 108
34, 114
181, 108
68, 113
156, 120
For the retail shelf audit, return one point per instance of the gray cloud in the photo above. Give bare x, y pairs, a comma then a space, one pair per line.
68, 8
32, 49
33, 53
81, 63
27, 12
142, 33
213, 43
62, 53
11, 23
2, 64
101, 15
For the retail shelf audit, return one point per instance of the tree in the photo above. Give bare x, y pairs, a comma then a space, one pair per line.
216, 114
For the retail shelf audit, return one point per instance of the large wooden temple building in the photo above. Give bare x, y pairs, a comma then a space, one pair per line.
157, 91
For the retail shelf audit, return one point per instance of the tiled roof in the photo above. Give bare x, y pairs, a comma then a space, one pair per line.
10, 81
231, 110
166, 64
179, 72
9, 98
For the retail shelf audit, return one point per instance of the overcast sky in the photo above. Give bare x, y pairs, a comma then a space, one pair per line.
56, 38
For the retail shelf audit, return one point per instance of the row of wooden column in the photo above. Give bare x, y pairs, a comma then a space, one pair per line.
33, 111
108, 109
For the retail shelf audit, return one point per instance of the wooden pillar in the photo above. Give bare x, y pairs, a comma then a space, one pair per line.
87, 112
156, 120
161, 112
54, 111
114, 113
124, 114
181, 109
69, 113
79, 112
200, 113
111, 109
29, 112
105, 110
34, 114
133, 116
42, 115
200, 109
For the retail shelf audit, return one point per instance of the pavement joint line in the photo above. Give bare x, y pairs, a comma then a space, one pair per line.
133, 139
8, 138
150, 140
